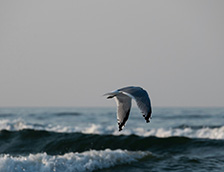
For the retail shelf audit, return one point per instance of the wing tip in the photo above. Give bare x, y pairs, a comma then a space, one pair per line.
147, 117
120, 126
147, 120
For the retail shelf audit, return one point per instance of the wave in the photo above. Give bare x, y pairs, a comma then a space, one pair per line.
206, 132
33, 141
62, 114
70, 162
3, 115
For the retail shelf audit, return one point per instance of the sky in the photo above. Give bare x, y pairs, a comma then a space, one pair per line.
69, 53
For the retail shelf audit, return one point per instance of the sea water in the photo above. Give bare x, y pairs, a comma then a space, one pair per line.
87, 139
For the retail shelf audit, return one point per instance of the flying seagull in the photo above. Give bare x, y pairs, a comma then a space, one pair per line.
123, 97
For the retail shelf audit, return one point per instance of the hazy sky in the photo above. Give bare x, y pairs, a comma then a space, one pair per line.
69, 53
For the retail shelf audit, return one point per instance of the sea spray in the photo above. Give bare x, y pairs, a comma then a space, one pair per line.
70, 162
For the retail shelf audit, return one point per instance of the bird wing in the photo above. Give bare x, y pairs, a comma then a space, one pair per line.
123, 109
142, 99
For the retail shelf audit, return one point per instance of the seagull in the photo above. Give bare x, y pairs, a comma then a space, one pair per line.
123, 97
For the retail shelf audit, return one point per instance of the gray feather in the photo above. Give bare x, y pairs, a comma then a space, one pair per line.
123, 98
123, 109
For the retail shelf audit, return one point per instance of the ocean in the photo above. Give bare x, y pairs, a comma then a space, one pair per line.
87, 139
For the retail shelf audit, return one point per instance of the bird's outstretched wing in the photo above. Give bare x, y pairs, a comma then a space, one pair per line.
123, 109
142, 99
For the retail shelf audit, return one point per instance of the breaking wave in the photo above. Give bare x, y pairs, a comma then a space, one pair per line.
207, 132
70, 162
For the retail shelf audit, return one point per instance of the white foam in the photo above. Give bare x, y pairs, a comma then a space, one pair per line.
204, 132
17, 125
14, 125
70, 162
